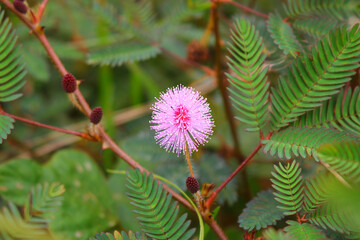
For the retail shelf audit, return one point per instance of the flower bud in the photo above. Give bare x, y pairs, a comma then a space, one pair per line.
69, 83
96, 115
20, 6
192, 184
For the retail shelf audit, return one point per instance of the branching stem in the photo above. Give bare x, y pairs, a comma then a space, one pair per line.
245, 8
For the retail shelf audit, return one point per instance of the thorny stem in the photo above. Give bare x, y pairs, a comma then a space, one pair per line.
107, 141
245, 8
31, 122
219, 78
238, 169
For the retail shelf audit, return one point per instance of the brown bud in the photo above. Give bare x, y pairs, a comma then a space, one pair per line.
197, 52
69, 83
20, 6
96, 115
192, 184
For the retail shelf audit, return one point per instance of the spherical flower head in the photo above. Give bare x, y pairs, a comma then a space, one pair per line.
96, 115
192, 184
20, 6
69, 83
181, 119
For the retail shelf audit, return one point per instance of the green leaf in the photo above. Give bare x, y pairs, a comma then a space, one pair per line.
33, 223
260, 212
304, 231
157, 212
247, 76
87, 206
11, 66
118, 236
6, 125
303, 142
313, 80
343, 157
283, 35
287, 182
317, 27
272, 234
122, 53
332, 8
341, 112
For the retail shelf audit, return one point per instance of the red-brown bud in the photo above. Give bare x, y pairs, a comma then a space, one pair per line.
197, 52
69, 83
20, 6
96, 115
192, 184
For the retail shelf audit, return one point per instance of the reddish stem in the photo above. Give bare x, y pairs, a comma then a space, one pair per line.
245, 8
34, 123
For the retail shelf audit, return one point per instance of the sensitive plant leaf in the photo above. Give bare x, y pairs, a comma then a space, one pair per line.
316, 192
283, 35
87, 206
303, 142
122, 53
317, 27
298, 231
287, 183
33, 223
313, 80
118, 236
272, 234
343, 157
6, 125
247, 76
338, 9
155, 208
341, 112
260, 212
11, 66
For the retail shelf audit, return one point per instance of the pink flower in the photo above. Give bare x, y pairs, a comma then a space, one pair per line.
181, 117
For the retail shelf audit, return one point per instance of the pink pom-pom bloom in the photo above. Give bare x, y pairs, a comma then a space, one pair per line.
181, 117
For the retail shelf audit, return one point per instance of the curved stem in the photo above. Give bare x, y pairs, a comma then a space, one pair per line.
187, 155
245, 8
34, 123
107, 141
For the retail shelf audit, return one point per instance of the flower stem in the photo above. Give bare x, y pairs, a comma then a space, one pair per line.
34, 123
187, 155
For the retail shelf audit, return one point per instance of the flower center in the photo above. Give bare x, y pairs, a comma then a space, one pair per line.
182, 118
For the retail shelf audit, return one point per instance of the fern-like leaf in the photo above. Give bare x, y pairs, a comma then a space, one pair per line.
283, 35
341, 112
287, 182
32, 224
248, 75
302, 141
316, 27
343, 157
157, 213
123, 53
6, 125
304, 231
260, 212
272, 234
313, 80
315, 193
118, 236
328, 217
11, 66
334, 8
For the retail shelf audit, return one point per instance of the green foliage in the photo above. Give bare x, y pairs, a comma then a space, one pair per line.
284, 36
315, 193
118, 236
33, 224
287, 182
296, 141
260, 212
316, 27
248, 75
157, 213
272, 234
343, 157
333, 8
85, 192
120, 54
341, 112
11, 66
303, 231
6, 125
310, 81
